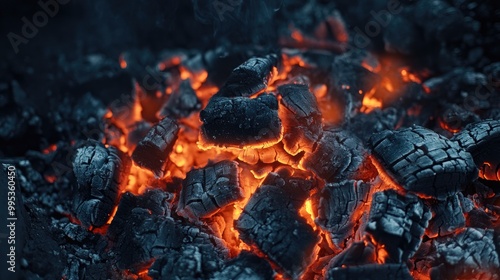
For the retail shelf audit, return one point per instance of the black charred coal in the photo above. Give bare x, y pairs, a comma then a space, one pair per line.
338, 155
297, 185
370, 272
337, 205
358, 253
364, 125
250, 77
181, 102
302, 121
429, 15
137, 132
152, 151
398, 222
453, 117
422, 161
471, 254
481, 139
245, 266
100, 173
241, 121
271, 223
207, 190
448, 217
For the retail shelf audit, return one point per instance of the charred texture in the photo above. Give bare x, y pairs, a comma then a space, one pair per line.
241, 121
296, 185
152, 151
448, 217
205, 191
301, 119
422, 161
358, 253
397, 222
370, 272
471, 254
338, 204
339, 155
271, 223
250, 77
182, 102
364, 125
100, 173
482, 139
245, 266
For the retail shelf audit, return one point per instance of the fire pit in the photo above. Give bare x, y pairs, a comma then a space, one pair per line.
258, 140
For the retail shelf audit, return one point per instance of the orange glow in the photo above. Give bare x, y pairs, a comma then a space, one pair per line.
307, 213
370, 102
297, 35
50, 149
123, 62
409, 77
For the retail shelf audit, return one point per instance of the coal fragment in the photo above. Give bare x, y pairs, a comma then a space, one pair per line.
152, 151
301, 118
339, 155
271, 223
206, 190
181, 102
371, 272
338, 204
364, 125
448, 217
245, 266
358, 253
422, 161
398, 222
100, 173
241, 121
250, 77
482, 139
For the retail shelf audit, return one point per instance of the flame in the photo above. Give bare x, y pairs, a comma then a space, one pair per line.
370, 102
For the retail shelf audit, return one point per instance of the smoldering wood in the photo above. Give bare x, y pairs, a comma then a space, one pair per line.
364, 125
152, 151
138, 132
447, 218
246, 265
371, 272
302, 122
241, 121
358, 253
398, 222
207, 190
250, 77
100, 173
182, 102
481, 139
420, 160
268, 217
339, 155
337, 204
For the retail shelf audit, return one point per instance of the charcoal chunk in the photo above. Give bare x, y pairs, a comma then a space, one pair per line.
245, 266
398, 222
250, 77
205, 191
448, 217
272, 224
152, 151
101, 173
358, 253
241, 121
338, 204
364, 125
301, 118
471, 254
181, 102
482, 139
370, 272
339, 155
439, 20
422, 161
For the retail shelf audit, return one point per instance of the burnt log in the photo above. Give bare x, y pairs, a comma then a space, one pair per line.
101, 173
272, 224
250, 77
245, 266
207, 190
370, 272
338, 208
358, 253
241, 121
397, 222
301, 118
152, 151
471, 254
482, 139
181, 102
447, 218
422, 161
339, 155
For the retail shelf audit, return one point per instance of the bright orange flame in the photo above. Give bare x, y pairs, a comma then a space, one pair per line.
370, 102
